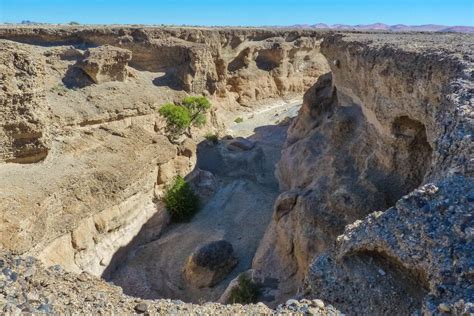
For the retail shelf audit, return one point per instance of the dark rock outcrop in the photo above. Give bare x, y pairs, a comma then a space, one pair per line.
210, 263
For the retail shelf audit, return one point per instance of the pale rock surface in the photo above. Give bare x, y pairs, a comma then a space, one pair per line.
105, 63
389, 118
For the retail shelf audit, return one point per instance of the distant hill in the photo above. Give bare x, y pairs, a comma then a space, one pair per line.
390, 28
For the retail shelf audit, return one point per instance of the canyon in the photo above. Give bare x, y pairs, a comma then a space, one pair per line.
341, 179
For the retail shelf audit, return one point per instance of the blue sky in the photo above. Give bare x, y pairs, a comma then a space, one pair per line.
240, 12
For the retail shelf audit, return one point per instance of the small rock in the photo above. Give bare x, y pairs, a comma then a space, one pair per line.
319, 303
313, 311
443, 307
431, 189
45, 308
292, 302
32, 297
14, 276
141, 307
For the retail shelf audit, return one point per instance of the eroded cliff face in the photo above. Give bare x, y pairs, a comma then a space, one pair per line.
22, 107
83, 159
387, 119
244, 65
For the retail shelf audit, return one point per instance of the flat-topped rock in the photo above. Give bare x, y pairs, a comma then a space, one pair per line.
106, 63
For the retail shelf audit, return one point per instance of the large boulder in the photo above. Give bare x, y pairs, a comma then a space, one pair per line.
240, 144
203, 183
106, 63
210, 263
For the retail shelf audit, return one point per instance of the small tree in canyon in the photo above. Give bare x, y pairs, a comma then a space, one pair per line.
180, 200
180, 118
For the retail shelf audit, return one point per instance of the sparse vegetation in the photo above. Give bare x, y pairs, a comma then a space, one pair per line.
212, 138
177, 119
197, 107
181, 201
238, 120
246, 293
180, 118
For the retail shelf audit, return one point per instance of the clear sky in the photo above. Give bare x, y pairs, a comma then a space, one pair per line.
240, 12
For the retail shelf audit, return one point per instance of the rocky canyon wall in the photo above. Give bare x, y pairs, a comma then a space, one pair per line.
390, 119
83, 159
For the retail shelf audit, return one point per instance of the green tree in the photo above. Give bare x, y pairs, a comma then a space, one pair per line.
197, 107
177, 119
180, 118
181, 201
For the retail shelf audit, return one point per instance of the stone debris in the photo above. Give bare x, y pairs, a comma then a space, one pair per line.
27, 287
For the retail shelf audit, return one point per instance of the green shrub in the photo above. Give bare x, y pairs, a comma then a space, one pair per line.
181, 201
177, 119
212, 138
197, 107
238, 120
246, 293
180, 118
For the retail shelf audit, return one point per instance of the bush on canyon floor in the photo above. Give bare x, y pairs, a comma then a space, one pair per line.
246, 293
238, 120
180, 118
213, 138
181, 201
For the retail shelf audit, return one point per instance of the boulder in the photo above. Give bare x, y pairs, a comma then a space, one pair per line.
105, 63
203, 183
210, 263
240, 144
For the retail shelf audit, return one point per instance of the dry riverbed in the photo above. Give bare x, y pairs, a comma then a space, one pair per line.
239, 211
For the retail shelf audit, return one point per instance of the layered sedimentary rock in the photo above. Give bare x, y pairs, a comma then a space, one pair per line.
22, 128
387, 119
243, 65
86, 99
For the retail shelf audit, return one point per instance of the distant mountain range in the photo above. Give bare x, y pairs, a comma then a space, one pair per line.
358, 27
390, 28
